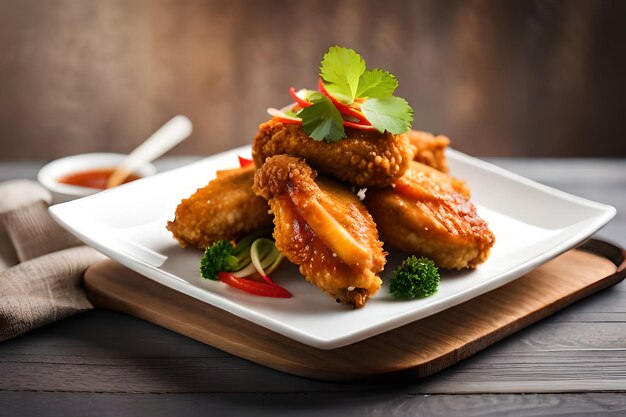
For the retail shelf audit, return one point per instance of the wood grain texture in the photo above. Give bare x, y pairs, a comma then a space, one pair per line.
524, 78
415, 350
107, 352
365, 403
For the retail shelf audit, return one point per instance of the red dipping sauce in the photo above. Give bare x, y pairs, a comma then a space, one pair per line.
93, 178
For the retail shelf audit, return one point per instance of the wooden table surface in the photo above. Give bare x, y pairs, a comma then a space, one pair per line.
103, 363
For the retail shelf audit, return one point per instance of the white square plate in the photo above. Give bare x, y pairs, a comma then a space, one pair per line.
532, 224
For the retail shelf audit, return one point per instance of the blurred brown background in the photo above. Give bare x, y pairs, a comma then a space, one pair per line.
501, 78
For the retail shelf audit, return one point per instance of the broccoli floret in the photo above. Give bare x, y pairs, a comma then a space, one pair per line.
218, 258
415, 278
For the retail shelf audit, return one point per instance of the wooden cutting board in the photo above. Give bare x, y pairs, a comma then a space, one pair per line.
415, 350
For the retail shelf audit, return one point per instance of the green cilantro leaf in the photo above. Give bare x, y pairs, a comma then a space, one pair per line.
376, 83
314, 96
341, 69
392, 114
346, 78
290, 113
322, 120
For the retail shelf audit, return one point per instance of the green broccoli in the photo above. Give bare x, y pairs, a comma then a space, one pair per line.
415, 278
223, 256
217, 258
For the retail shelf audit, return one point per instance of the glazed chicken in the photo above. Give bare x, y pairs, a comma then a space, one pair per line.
363, 159
428, 213
225, 209
429, 149
322, 227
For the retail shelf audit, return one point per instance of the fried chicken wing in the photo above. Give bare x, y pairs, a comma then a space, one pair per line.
322, 227
363, 159
425, 214
429, 149
225, 209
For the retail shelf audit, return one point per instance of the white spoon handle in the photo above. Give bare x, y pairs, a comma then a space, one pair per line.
169, 135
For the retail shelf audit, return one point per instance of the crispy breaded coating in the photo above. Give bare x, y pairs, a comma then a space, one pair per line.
429, 149
424, 214
324, 228
363, 159
226, 209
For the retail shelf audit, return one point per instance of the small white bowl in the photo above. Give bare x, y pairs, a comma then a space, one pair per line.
50, 174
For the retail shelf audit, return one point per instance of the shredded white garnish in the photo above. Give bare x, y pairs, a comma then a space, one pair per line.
280, 113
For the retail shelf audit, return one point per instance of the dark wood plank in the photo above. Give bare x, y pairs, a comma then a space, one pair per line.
607, 307
127, 355
130, 355
366, 403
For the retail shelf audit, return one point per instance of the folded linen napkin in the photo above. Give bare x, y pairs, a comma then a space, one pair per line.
41, 264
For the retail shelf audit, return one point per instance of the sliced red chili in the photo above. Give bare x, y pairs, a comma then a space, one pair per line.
267, 279
343, 108
254, 287
244, 162
358, 125
302, 103
288, 121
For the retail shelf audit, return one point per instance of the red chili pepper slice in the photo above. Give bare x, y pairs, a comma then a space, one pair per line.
358, 126
302, 103
254, 287
288, 121
244, 162
267, 279
343, 108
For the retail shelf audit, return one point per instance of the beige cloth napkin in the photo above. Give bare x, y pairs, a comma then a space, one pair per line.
41, 264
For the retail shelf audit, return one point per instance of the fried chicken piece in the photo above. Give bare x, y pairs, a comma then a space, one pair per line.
226, 209
429, 149
363, 159
425, 215
324, 228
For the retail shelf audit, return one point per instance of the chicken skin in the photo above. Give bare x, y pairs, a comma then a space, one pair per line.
363, 159
429, 149
322, 227
425, 214
225, 209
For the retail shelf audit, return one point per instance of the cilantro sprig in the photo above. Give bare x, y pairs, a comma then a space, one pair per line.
346, 77
349, 95
341, 71
392, 114
322, 120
